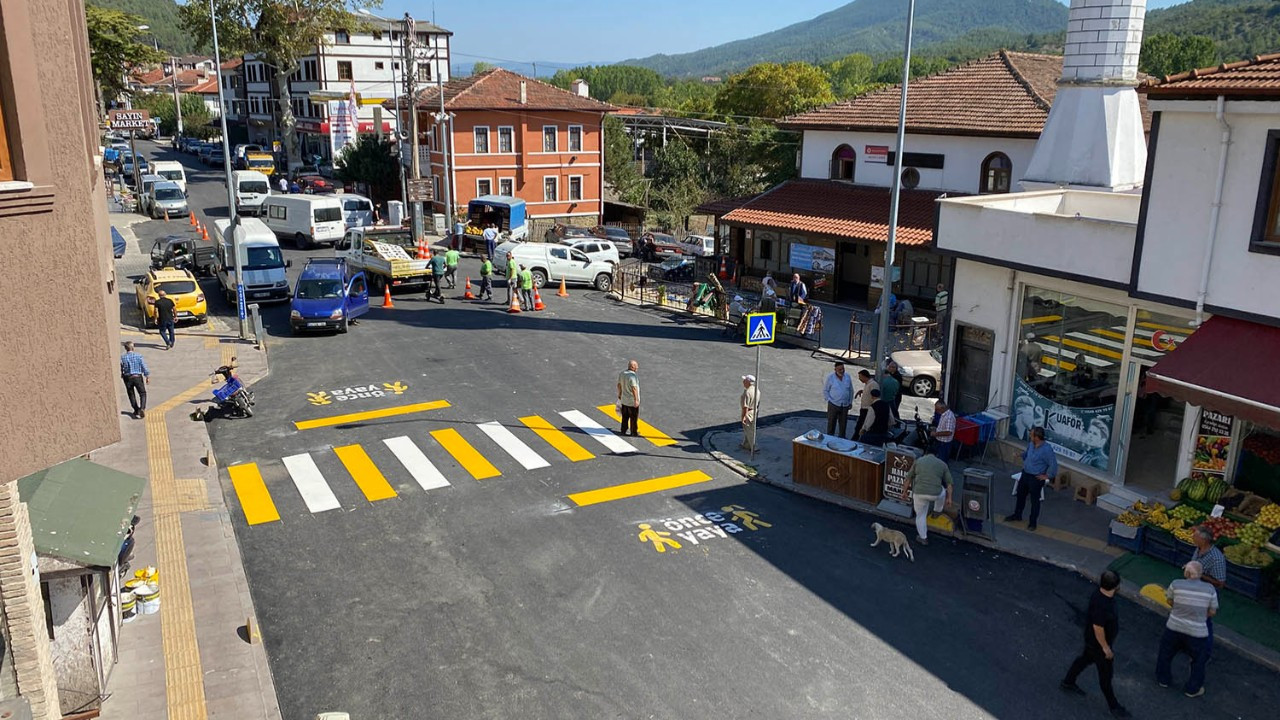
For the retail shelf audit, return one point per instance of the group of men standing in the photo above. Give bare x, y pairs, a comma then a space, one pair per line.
877, 403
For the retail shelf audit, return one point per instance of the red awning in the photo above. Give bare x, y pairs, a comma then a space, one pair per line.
1227, 365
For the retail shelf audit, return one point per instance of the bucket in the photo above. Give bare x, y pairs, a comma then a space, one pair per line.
128, 606
148, 599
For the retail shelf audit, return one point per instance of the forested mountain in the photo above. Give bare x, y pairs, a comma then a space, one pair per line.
1240, 28
162, 16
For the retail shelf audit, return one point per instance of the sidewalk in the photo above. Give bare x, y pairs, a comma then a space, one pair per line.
192, 660
1070, 535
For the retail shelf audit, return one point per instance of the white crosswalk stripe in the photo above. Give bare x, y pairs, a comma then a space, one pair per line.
514, 446
424, 472
311, 486
615, 444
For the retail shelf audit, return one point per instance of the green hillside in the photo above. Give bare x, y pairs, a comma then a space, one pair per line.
1241, 28
162, 16
869, 26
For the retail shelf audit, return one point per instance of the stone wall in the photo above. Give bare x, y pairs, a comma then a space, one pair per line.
24, 614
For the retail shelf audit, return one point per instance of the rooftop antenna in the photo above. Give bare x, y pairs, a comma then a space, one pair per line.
433, 12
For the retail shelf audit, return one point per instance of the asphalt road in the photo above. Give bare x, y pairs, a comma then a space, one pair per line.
503, 597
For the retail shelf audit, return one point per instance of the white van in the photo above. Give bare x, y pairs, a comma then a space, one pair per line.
251, 189
552, 261
260, 259
307, 220
172, 171
357, 210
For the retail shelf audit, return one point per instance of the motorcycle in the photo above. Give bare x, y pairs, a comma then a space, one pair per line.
233, 398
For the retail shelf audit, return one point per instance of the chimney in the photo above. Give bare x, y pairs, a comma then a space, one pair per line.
1093, 139
524, 93
580, 88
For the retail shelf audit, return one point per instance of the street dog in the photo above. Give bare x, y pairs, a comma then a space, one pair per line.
897, 541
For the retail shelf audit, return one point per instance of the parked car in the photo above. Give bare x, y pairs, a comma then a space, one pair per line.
111, 154
673, 269
181, 252
217, 157
126, 166
618, 236
329, 295
921, 371
180, 286
699, 245
595, 248
165, 196
206, 152
357, 211
305, 219
314, 184
654, 246
552, 261
144, 191
251, 189
171, 170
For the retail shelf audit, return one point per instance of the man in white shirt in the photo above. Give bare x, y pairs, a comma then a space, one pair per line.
945, 432
838, 392
750, 403
864, 398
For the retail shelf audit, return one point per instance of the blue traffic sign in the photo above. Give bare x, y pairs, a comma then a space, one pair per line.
760, 328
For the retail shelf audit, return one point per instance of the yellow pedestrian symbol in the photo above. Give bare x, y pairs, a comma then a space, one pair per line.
396, 387
745, 517
319, 398
659, 538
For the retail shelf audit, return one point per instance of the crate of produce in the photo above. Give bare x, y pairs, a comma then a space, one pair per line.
1247, 581
1126, 537
1250, 570
1183, 552
1160, 545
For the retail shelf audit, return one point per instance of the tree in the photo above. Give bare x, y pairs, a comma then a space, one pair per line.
676, 183
481, 66
369, 160
605, 81
620, 169
280, 32
195, 114
851, 75
1168, 54
771, 90
748, 158
114, 49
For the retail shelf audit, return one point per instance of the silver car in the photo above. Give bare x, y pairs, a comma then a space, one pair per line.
166, 196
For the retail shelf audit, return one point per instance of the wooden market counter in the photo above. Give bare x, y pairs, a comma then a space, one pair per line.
854, 470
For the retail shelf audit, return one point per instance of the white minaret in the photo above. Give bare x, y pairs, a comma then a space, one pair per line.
1093, 139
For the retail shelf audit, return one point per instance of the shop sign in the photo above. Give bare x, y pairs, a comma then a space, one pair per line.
130, 120
813, 258
1213, 445
1082, 434
357, 392
877, 154
1163, 341
877, 275
897, 465
676, 533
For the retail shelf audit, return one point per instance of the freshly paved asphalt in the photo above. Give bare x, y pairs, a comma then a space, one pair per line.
501, 598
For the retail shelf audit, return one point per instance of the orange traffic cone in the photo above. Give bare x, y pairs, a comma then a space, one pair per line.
563, 292
423, 253
193, 219
386, 297
515, 302
735, 274
166, 215
204, 233
537, 300
467, 295
724, 273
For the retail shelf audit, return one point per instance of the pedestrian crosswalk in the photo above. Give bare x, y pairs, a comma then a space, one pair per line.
320, 482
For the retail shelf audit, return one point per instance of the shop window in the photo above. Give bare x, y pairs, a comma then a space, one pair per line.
1067, 374
843, 162
997, 171
1266, 220
344, 70
575, 187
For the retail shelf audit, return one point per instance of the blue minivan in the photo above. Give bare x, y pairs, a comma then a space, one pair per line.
327, 296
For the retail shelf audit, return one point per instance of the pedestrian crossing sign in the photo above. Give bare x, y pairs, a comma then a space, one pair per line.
760, 328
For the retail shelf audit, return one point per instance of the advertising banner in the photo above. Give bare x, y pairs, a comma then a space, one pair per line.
1082, 434
343, 124
813, 258
1213, 445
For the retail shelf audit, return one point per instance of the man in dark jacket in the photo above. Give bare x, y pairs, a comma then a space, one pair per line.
875, 427
1101, 626
166, 316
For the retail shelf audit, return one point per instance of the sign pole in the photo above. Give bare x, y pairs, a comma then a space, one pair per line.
757, 409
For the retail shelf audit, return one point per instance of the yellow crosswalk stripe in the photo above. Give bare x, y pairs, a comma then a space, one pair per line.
252, 491
556, 438
365, 473
1105, 352
1107, 333
644, 487
647, 431
467, 456
1041, 319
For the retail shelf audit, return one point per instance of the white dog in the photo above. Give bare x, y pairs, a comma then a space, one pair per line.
896, 540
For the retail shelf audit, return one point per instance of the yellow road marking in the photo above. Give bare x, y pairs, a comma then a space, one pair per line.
468, 457
371, 414
1183, 331
556, 438
365, 473
1107, 333
647, 431
644, 487
1084, 346
252, 491
1068, 366
1041, 319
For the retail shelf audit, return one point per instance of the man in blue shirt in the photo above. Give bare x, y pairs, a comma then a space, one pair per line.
134, 373
439, 267
1039, 464
838, 392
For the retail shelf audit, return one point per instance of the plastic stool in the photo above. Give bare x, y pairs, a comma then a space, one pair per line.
1063, 480
1087, 492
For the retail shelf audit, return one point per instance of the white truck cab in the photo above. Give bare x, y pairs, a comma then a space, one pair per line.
260, 259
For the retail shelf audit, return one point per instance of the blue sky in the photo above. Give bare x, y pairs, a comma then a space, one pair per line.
561, 33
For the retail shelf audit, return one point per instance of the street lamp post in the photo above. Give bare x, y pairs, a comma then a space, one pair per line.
237, 234
882, 331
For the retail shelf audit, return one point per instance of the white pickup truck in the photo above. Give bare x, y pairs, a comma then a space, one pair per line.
698, 245
387, 255
552, 261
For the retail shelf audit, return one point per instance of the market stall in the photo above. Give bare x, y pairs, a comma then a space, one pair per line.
844, 467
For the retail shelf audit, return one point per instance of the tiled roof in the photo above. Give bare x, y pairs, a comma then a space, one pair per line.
232, 64
149, 77
836, 209
1259, 76
499, 89
207, 87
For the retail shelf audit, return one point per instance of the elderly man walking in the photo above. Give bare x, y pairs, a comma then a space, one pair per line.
838, 392
629, 398
930, 486
1039, 465
750, 403
1192, 602
1214, 564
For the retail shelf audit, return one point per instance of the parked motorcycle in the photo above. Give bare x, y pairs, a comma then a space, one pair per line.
233, 399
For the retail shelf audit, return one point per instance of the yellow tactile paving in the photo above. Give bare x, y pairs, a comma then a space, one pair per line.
367, 475
255, 500
556, 438
467, 456
644, 487
647, 431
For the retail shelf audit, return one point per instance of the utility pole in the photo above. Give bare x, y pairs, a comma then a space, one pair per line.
177, 102
237, 232
411, 83
445, 123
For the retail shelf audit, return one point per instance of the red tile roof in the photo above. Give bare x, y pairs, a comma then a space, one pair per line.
1259, 76
836, 209
149, 77
724, 206
232, 64
207, 87
499, 89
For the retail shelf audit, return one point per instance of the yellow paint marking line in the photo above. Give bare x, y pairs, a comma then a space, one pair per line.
1041, 319
644, 487
556, 438
255, 500
1105, 352
371, 414
467, 456
365, 473
1107, 333
647, 431
1068, 366
1183, 331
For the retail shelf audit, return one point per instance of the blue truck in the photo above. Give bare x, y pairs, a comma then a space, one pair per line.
507, 213
328, 296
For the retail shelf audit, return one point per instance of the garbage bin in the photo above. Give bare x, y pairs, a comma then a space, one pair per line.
975, 504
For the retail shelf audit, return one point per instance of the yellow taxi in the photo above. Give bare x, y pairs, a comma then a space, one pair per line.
180, 286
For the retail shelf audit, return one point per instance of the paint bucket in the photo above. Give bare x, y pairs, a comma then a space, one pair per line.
148, 599
128, 606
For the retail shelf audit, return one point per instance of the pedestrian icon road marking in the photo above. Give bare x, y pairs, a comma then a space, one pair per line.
556, 438
424, 472
616, 445
319, 398
745, 517
647, 431
700, 528
467, 456
644, 487
659, 538
252, 491
311, 486
374, 486
371, 415
760, 328
514, 446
